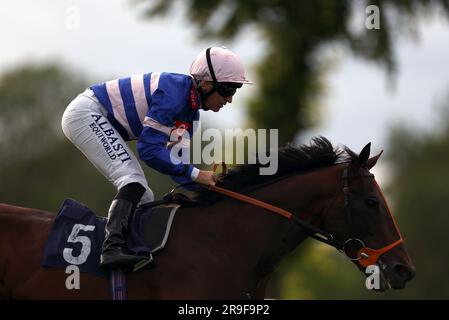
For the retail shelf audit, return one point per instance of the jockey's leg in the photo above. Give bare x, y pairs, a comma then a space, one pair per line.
113, 251
86, 125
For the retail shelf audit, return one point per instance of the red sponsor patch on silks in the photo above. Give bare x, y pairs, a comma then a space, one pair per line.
181, 127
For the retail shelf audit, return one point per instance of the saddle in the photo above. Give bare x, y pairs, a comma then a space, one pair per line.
77, 234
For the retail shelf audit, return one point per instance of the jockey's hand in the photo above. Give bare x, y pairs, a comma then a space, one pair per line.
206, 177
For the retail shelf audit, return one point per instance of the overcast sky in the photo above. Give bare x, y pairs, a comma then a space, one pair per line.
111, 40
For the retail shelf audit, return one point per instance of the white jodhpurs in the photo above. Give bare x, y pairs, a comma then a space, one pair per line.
86, 125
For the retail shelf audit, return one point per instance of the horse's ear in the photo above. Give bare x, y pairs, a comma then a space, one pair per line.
372, 161
363, 157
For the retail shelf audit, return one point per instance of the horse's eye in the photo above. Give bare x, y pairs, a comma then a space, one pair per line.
371, 203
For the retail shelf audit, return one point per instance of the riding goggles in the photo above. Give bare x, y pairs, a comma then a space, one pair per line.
226, 89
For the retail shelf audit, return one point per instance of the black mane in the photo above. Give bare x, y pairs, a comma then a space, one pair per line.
291, 159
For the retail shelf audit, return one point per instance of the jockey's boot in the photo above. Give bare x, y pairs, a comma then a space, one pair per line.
113, 253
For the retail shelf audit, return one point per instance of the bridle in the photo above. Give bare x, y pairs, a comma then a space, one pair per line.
365, 256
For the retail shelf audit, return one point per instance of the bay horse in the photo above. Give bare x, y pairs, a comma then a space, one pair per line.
227, 249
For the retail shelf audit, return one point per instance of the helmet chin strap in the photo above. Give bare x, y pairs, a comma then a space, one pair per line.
204, 95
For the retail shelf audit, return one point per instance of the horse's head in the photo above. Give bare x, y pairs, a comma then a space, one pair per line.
360, 218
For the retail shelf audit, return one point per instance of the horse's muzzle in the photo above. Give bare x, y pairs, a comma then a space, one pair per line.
401, 274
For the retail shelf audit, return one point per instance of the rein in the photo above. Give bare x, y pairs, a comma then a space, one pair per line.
315, 232
365, 256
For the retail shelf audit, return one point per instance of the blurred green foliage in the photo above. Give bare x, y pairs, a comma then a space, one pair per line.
420, 190
289, 76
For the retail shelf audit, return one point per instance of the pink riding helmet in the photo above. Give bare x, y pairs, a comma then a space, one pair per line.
227, 66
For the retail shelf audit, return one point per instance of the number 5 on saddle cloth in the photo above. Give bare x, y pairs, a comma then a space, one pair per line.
77, 235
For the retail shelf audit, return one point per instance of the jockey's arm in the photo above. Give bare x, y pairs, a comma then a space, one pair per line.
152, 148
152, 144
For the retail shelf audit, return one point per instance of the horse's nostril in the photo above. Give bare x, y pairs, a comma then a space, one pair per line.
404, 272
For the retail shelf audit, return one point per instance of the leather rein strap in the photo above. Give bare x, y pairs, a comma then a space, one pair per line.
314, 232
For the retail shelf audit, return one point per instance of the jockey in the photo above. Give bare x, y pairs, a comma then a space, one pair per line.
147, 108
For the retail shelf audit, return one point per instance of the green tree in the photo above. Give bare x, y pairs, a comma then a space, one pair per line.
420, 191
295, 30
32, 100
